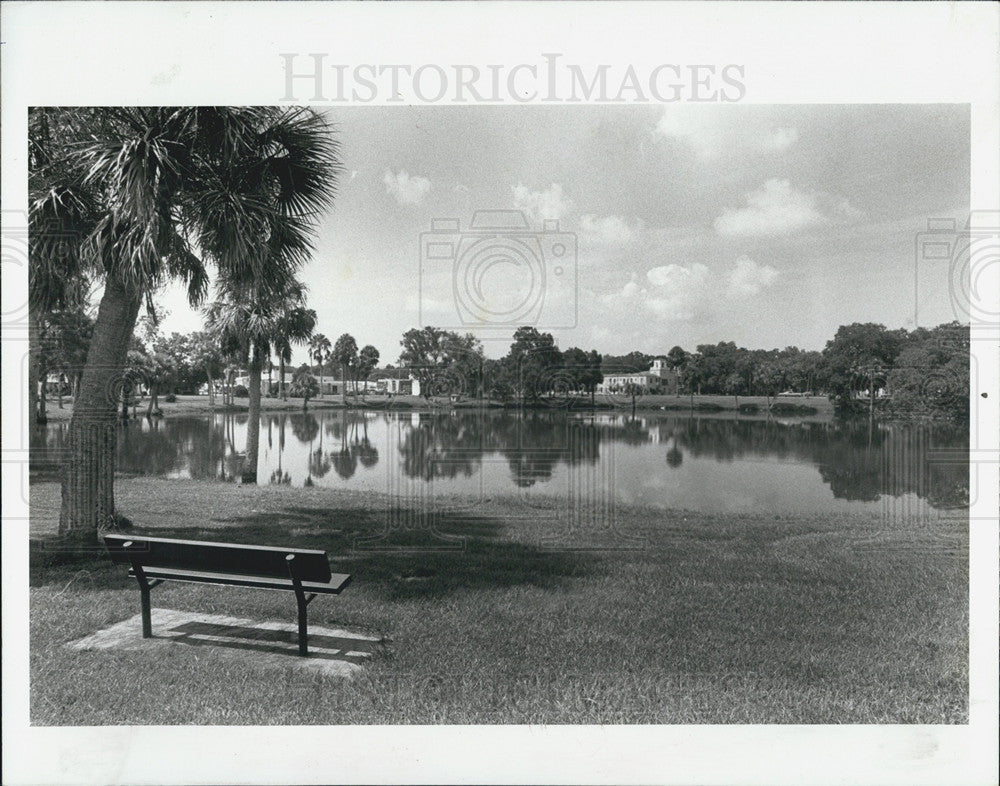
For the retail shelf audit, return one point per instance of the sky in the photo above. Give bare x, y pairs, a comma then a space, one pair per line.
767, 225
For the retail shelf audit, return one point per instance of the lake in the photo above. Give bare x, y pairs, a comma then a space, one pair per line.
708, 463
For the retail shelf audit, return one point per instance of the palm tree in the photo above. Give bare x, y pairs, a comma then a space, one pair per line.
252, 323
63, 209
283, 349
345, 352
367, 361
171, 186
319, 350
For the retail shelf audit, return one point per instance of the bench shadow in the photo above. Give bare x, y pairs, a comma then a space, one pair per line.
400, 554
280, 642
408, 553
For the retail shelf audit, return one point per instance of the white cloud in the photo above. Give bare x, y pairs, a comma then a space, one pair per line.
713, 131
777, 208
609, 230
406, 189
748, 278
539, 205
681, 293
693, 126
780, 140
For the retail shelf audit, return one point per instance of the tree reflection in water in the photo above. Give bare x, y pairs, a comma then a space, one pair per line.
856, 460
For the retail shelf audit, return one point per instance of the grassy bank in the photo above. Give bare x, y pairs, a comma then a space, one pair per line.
702, 619
199, 405
711, 403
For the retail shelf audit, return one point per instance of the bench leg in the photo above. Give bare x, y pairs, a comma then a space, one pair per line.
144, 588
303, 624
147, 622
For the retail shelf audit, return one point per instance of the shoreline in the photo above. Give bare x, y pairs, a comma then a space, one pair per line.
212, 497
699, 405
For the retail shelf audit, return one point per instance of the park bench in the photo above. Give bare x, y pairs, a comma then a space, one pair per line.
305, 572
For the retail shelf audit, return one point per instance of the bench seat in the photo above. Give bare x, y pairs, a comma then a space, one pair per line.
337, 583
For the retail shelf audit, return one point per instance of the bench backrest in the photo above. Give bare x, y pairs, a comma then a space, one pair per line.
198, 555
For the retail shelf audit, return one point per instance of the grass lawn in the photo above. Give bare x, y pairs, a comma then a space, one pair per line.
709, 619
199, 405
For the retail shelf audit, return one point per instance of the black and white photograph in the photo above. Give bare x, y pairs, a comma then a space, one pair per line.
573, 405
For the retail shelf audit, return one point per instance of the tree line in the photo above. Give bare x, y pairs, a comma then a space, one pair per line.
924, 371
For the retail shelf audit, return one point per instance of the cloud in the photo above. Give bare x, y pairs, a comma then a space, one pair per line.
713, 131
609, 230
406, 189
748, 278
694, 127
681, 293
780, 140
777, 208
539, 205
678, 292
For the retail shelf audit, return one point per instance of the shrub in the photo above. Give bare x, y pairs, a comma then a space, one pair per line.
786, 408
304, 387
240, 391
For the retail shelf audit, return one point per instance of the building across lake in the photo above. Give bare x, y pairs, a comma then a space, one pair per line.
658, 378
386, 381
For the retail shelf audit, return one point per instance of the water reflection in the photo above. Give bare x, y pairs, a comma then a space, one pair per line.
671, 460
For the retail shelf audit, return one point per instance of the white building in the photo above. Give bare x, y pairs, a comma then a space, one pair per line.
659, 377
328, 386
397, 382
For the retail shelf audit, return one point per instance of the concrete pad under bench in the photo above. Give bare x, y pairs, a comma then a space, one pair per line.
332, 651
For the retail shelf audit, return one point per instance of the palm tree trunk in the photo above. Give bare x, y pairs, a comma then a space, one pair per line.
343, 384
211, 386
253, 424
41, 416
34, 370
88, 501
281, 378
